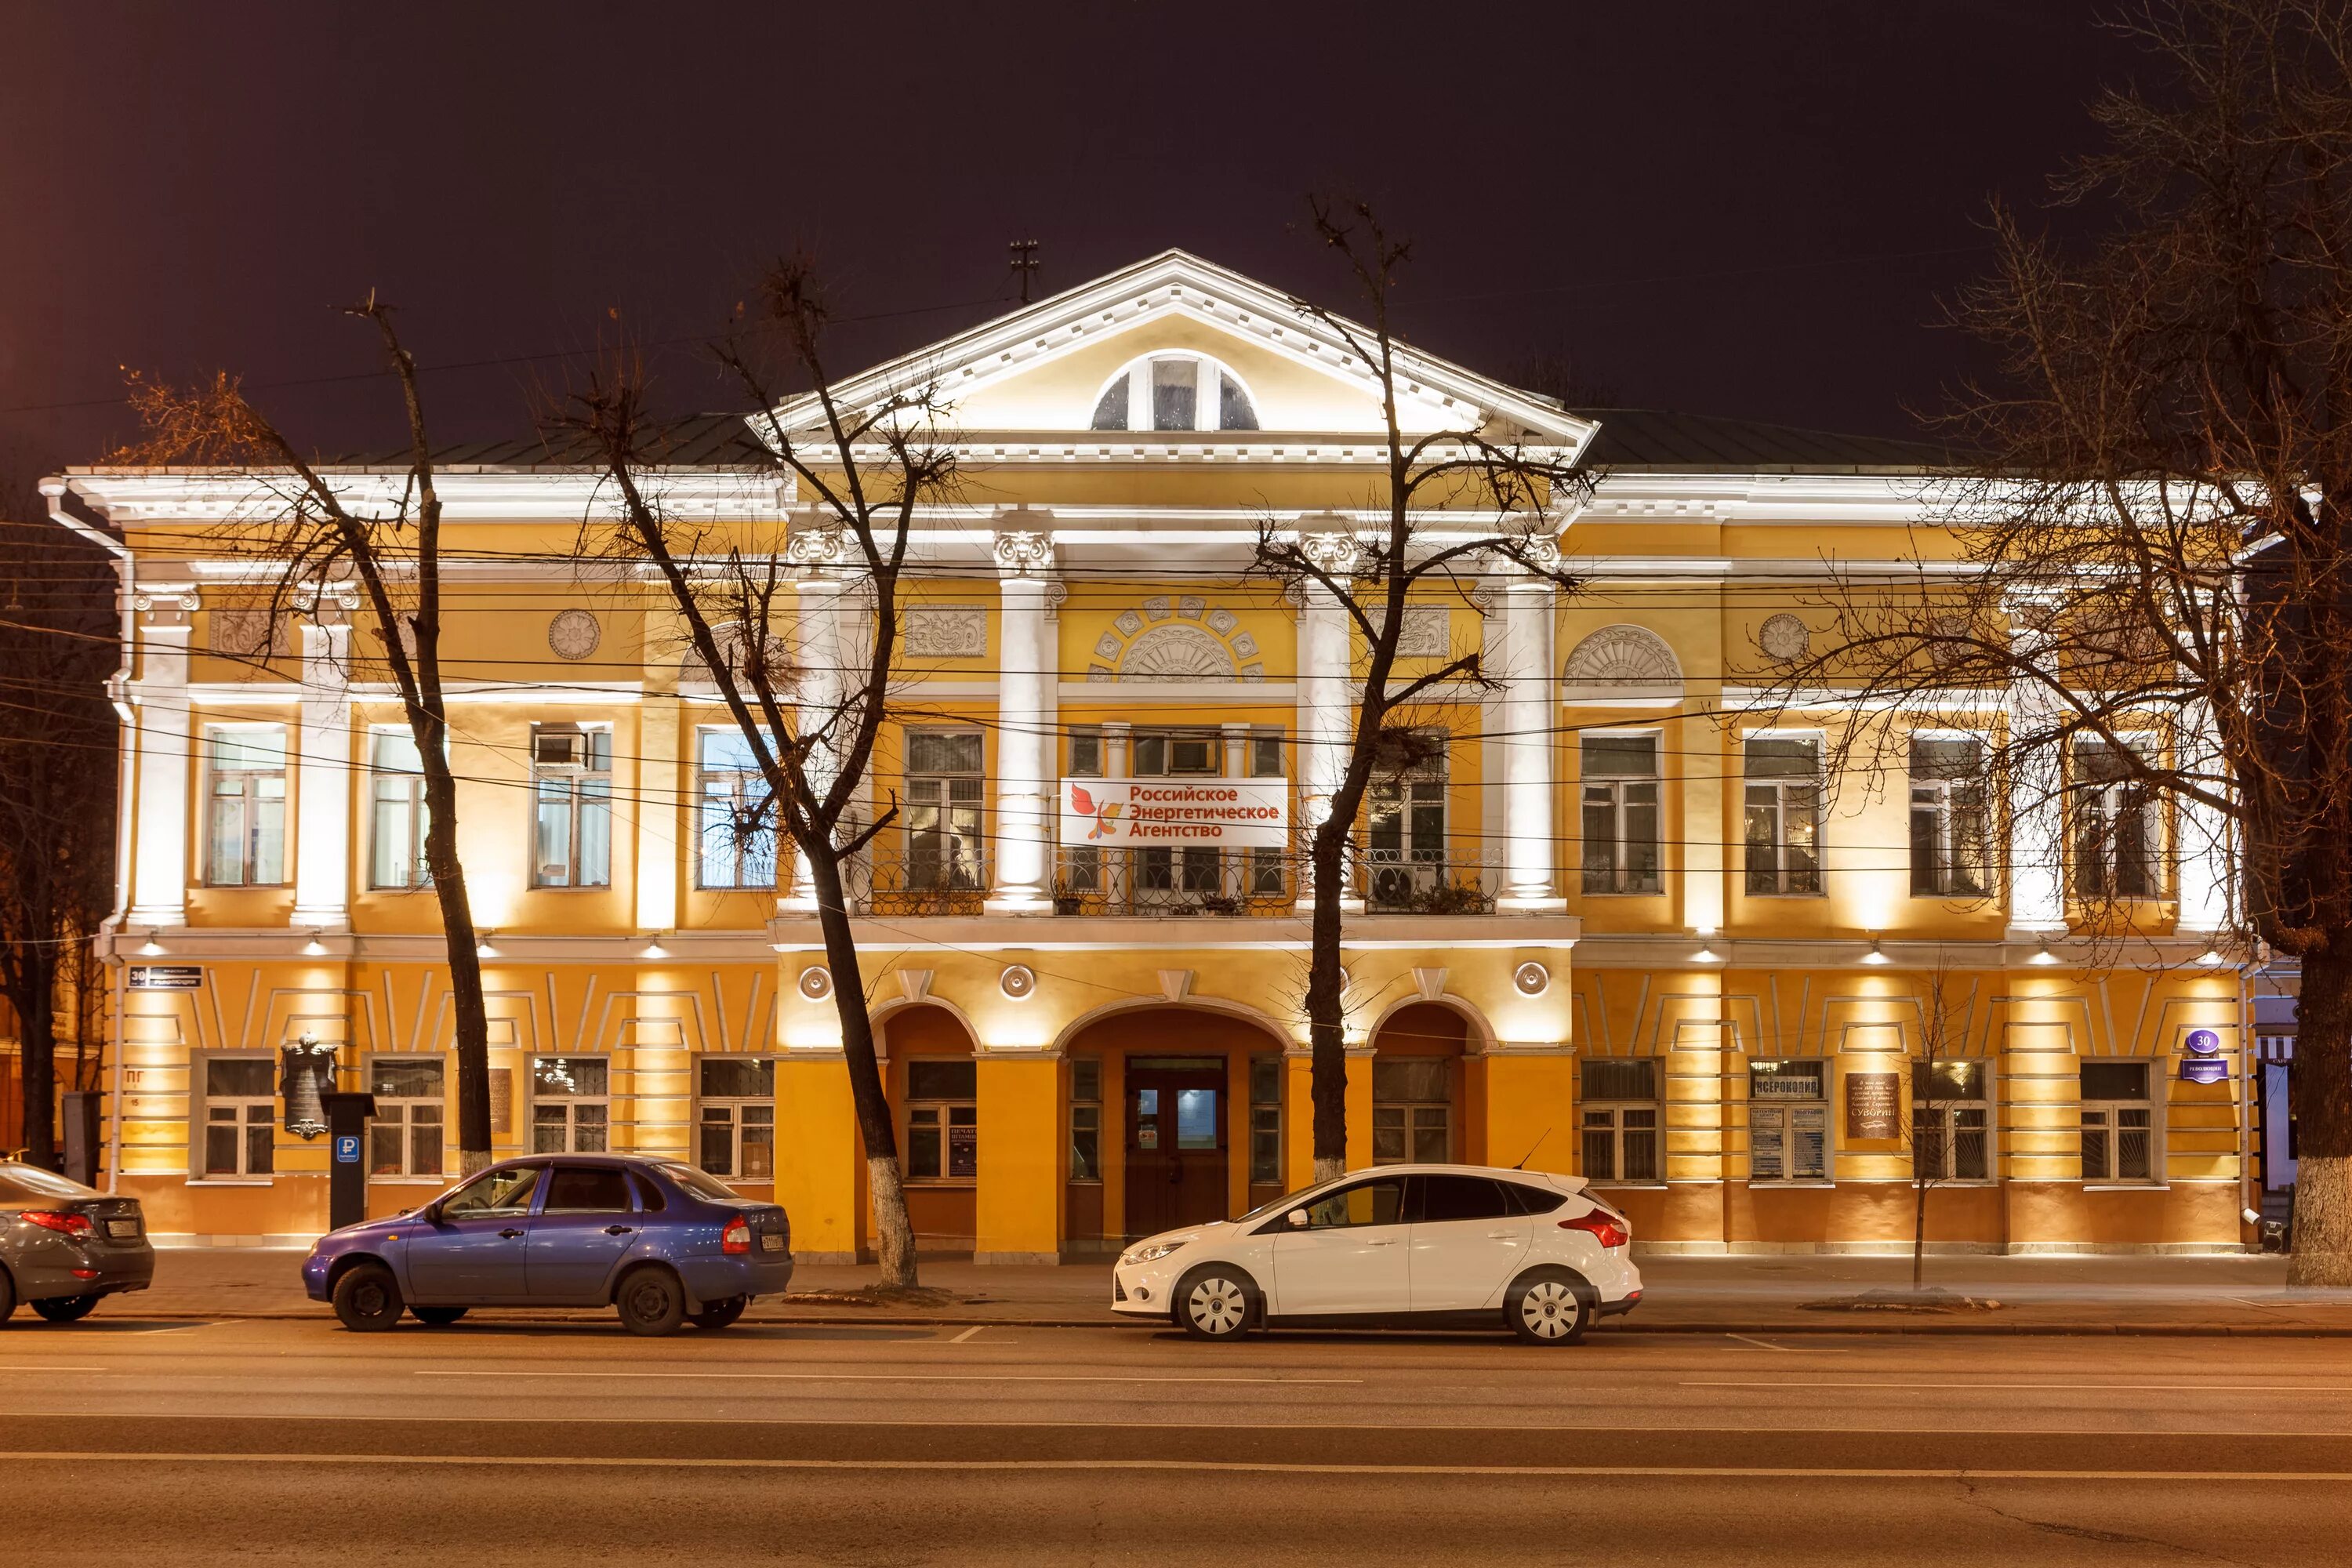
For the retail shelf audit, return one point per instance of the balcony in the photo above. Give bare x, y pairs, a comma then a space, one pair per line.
1173, 883
1419, 885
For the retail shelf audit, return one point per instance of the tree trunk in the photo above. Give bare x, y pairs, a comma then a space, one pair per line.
465, 965
2323, 1114
37, 1035
894, 1231
1919, 1224
1326, 1006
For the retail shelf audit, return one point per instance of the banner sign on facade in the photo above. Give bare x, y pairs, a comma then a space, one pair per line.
1230, 814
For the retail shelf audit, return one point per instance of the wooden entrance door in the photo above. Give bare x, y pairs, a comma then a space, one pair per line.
1176, 1117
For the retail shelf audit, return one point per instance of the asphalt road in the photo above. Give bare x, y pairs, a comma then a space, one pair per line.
124, 1440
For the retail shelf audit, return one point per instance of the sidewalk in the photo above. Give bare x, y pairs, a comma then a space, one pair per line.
1776, 1295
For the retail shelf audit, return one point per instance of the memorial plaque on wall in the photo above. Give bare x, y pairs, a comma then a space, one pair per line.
1871, 1109
501, 1100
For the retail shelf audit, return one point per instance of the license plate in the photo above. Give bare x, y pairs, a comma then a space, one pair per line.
771, 1244
122, 1228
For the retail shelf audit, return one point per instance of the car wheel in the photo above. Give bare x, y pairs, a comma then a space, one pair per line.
1216, 1303
719, 1314
7, 1297
367, 1299
66, 1308
651, 1301
1549, 1307
438, 1317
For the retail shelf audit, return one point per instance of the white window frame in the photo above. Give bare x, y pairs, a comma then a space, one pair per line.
1783, 1110
1946, 878
932, 806
739, 1114
2098, 811
1409, 1118
1085, 1116
940, 1114
1608, 791
586, 794
1607, 1114
2109, 1114
571, 1103
406, 805
732, 791
251, 798
1946, 1114
1208, 409
1784, 880
397, 1114
1266, 1116
242, 1107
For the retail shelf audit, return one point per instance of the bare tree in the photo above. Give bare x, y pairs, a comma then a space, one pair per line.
1945, 1124
2150, 617
312, 526
1515, 491
810, 716
58, 642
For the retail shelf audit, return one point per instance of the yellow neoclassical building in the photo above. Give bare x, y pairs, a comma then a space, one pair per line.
1614, 925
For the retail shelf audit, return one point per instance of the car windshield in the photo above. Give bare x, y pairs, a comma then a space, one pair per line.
1290, 1200
32, 1181
699, 1182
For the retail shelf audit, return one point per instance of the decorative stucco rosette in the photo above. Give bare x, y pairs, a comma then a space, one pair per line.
573, 633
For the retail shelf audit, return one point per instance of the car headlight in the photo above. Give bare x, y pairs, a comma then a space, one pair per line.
1154, 1251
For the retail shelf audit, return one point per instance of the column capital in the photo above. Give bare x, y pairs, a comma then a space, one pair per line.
1022, 542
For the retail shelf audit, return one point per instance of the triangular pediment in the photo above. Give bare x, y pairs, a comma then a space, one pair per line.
1043, 368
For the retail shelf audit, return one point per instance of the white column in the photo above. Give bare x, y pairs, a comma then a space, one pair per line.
159, 876
1326, 693
2037, 819
822, 640
1026, 665
1529, 718
2204, 832
323, 748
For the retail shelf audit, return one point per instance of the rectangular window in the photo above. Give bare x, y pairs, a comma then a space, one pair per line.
1266, 1121
1086, 754
571, 1105
1783, 799
1405, 842
943, 809
1412, 1110
397, 812
942, 1120
240, 1116
1162, 754
2118, 831
411, 1105
571, 795
1951, 1123
1619, 1118
245, 835
1948, 818
736, 1116
1194, 869
1788, 1121
1175, 393
1266, 754
1620, 814
735, 834
2119, 1123
1086, 1119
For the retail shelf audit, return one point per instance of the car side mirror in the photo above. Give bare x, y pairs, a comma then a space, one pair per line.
431, 1212
1297, 1218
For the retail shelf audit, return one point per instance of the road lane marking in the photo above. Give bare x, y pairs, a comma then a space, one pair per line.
1760, 1344
967, 1334
1229, 1467
2043, 1387
892, 1376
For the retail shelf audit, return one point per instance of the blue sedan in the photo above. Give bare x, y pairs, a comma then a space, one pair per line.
659, 1240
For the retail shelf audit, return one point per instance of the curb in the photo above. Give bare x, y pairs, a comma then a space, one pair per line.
1618, 1326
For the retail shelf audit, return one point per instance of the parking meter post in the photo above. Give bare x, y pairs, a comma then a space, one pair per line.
347, 1116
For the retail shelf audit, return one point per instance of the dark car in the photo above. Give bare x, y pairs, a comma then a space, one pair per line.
657, 1239
63, 1245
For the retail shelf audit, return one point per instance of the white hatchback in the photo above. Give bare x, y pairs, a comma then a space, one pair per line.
1450, 1245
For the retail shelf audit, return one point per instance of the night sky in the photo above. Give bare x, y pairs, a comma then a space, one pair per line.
1725, 208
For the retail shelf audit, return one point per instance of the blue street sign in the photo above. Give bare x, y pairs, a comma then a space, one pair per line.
347, 1149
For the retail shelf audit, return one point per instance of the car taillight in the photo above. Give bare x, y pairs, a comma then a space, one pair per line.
58, 1220
736, 1238
1603, 1227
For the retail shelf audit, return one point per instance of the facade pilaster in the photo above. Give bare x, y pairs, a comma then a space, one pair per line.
2037, 830
322, 818
1325, 690
1529, 718
2205, 834
829, 615
159, 877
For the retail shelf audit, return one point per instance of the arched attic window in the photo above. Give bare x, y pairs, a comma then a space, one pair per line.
1175, 391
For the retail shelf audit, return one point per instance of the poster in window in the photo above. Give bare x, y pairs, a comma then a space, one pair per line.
1870, 1106
963, 1151
1764, 1143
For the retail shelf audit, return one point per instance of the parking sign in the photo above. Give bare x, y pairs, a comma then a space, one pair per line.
347, 1149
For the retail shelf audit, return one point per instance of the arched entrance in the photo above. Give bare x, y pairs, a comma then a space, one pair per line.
1183, 1108
1424, 1094
934, 1089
